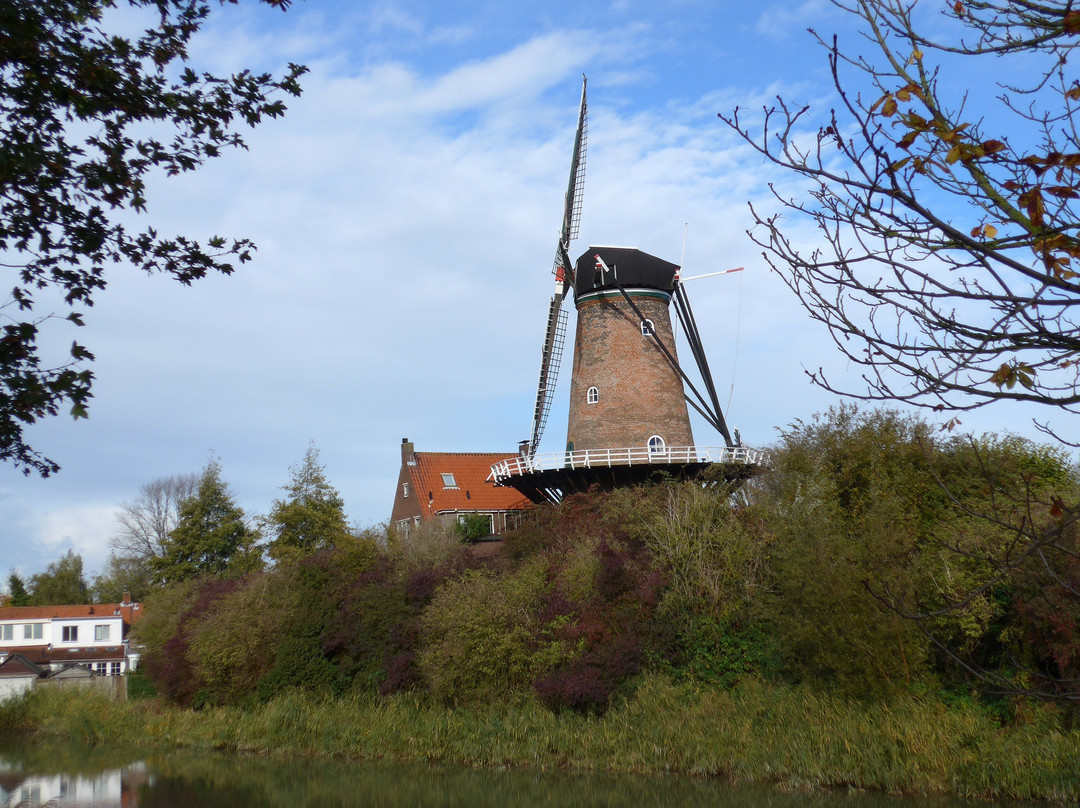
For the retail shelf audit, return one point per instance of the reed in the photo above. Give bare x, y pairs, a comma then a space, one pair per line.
901, 744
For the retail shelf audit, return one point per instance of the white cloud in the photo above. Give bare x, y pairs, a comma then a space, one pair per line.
86, 529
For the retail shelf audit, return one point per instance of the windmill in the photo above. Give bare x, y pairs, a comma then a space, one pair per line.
629, 394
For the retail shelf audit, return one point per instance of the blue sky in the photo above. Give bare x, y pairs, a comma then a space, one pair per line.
406, 210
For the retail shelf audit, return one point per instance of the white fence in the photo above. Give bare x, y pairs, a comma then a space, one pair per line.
633, 456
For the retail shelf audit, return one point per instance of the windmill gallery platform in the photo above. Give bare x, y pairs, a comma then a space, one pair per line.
551, 477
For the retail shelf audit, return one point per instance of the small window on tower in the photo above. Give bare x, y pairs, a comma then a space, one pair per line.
448, 480
592, 396
656, 445
647, 328
404, 490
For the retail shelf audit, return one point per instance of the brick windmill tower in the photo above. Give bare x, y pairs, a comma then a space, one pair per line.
628, 419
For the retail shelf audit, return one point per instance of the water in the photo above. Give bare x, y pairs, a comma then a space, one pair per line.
36, 776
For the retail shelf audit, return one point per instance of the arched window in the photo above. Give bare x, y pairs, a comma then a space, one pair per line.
647, 328
656, 445
592, 396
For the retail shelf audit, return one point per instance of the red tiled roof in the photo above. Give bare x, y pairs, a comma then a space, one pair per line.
19, 665
43, 654
473, 491
130, 612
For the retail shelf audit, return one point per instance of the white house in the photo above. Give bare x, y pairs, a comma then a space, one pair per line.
54, 636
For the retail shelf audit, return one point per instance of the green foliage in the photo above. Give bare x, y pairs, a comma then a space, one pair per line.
715, 556
847, 498
69, 190
235, 644
139, 685
471, 527
61, 583
721, 654
17, 593
211, 537
122, 574
312, 517
485, 637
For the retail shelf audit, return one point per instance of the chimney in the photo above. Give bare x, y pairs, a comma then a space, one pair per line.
126, 601
407, 455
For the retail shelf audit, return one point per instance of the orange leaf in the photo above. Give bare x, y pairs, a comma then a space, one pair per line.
993, 146
888, 109
1072, 22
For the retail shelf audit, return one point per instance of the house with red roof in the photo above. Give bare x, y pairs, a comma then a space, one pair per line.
450, 486
94, 636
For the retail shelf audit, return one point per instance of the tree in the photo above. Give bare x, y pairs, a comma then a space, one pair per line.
122, 574
17, 594
949, 260
62, 583
88, 113
211, 537
147, 521
312, 517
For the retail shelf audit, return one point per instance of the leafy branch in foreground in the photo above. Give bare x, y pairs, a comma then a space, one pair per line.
86, 114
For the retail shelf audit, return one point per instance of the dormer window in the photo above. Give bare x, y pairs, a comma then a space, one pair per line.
592, 396
647, 328
448, 480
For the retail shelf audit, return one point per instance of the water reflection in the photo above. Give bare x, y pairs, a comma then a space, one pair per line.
38, 776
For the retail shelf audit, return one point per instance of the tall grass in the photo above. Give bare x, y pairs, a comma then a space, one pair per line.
756, 732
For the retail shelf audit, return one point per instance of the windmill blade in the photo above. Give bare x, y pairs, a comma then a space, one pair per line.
550, 361
575, 193
555, 332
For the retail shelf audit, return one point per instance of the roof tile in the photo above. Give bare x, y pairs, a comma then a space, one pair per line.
473, 490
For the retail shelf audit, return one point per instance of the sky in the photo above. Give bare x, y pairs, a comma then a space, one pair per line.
406, 210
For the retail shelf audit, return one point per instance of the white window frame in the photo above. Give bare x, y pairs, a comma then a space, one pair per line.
69, 633
102, 632
448, 480
33, 631
657, 445
648, 328
404, 490
592, 395
7, 632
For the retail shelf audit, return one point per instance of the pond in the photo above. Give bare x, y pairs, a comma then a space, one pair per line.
37, 776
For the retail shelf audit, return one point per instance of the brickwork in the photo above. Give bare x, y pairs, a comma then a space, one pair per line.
639, 394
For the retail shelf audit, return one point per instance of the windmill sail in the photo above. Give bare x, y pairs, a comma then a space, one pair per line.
555, 332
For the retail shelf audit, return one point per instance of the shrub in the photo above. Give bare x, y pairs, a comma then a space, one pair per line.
482, 636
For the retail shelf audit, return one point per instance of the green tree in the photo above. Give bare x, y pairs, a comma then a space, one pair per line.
90, 111
311, 517
122, 574
211, 537
62, 583
17, 594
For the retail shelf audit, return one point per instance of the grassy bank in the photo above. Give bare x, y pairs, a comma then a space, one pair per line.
757, 732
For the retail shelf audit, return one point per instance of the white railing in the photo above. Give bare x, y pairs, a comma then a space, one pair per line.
632, 456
